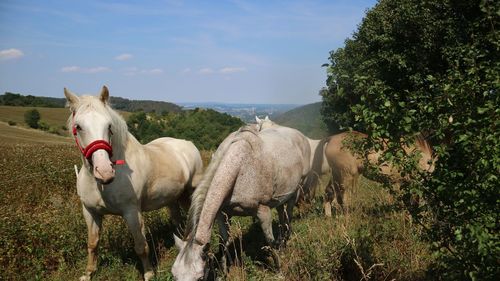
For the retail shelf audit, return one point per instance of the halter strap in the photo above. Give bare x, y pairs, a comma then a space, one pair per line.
93, 146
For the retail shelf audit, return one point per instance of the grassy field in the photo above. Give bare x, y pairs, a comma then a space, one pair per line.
15, 134
43, 235
52, 116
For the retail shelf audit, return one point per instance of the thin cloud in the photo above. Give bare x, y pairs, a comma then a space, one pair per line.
229, 70
97, 69
10, 54
123, 57
77, 69
132, 71
206, 70
70, 69
155, 71
224, 70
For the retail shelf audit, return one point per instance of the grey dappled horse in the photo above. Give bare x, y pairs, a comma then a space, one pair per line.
251, 172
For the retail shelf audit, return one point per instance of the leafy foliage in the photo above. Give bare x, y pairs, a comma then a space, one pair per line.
432, 67
205, 128
32, 118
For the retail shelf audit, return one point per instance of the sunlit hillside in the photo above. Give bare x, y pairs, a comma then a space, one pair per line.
306, 119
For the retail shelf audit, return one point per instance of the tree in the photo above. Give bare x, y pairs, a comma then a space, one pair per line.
32, 118
205, 128
432, 67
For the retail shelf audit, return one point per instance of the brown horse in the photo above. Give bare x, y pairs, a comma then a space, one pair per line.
347, 166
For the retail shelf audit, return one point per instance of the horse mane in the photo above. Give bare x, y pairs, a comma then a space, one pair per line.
200, 192
312, 180
118, 124
423, 144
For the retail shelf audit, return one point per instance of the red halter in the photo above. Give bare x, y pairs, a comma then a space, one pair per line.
94, 146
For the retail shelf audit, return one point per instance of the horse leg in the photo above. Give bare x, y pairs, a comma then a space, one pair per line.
349, 183
285, 217
339, 194
94, 224
289, 214
329, 194
224, 242
175, 213
282, 224
136, 227
265, 217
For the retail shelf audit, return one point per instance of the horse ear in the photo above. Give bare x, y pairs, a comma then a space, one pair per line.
104, 96
71, 98
267, 118
179, 243
257, 119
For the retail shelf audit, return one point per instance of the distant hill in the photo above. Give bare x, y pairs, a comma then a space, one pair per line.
306, 119
144, 105
13, 99
123, 104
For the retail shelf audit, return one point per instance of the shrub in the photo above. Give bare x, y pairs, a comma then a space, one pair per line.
32, 117
432, 67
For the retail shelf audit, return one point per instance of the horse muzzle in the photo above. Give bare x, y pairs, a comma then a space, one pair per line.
103, 168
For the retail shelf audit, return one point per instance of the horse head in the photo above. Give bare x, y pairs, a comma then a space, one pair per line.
191, 262
264, 123
91, 126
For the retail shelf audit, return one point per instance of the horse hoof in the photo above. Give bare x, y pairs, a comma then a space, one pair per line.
328, 212
85, 278
149, 275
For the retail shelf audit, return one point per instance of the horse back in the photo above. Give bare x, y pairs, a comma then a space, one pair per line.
339, 156
283, 142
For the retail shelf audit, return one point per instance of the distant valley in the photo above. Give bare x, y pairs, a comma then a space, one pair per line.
246, 112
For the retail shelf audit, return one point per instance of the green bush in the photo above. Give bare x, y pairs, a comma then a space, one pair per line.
206, 128
43, 126
32, 117
432, 67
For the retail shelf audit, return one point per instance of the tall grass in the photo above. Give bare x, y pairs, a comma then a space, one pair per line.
43, 234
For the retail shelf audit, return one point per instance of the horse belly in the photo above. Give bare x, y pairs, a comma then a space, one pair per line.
249, 191
161, 193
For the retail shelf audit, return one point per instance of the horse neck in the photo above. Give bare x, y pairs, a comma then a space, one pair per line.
132, 144
207, 200
200, 192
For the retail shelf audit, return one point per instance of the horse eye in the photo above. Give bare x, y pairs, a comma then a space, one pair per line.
110, 131
78, 127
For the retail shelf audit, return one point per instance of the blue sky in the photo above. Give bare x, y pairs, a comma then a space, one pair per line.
181, 51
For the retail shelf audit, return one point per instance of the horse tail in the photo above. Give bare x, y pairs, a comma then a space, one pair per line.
314, 174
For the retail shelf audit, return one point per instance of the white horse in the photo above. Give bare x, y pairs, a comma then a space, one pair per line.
250, 173
318, 162
142, 178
